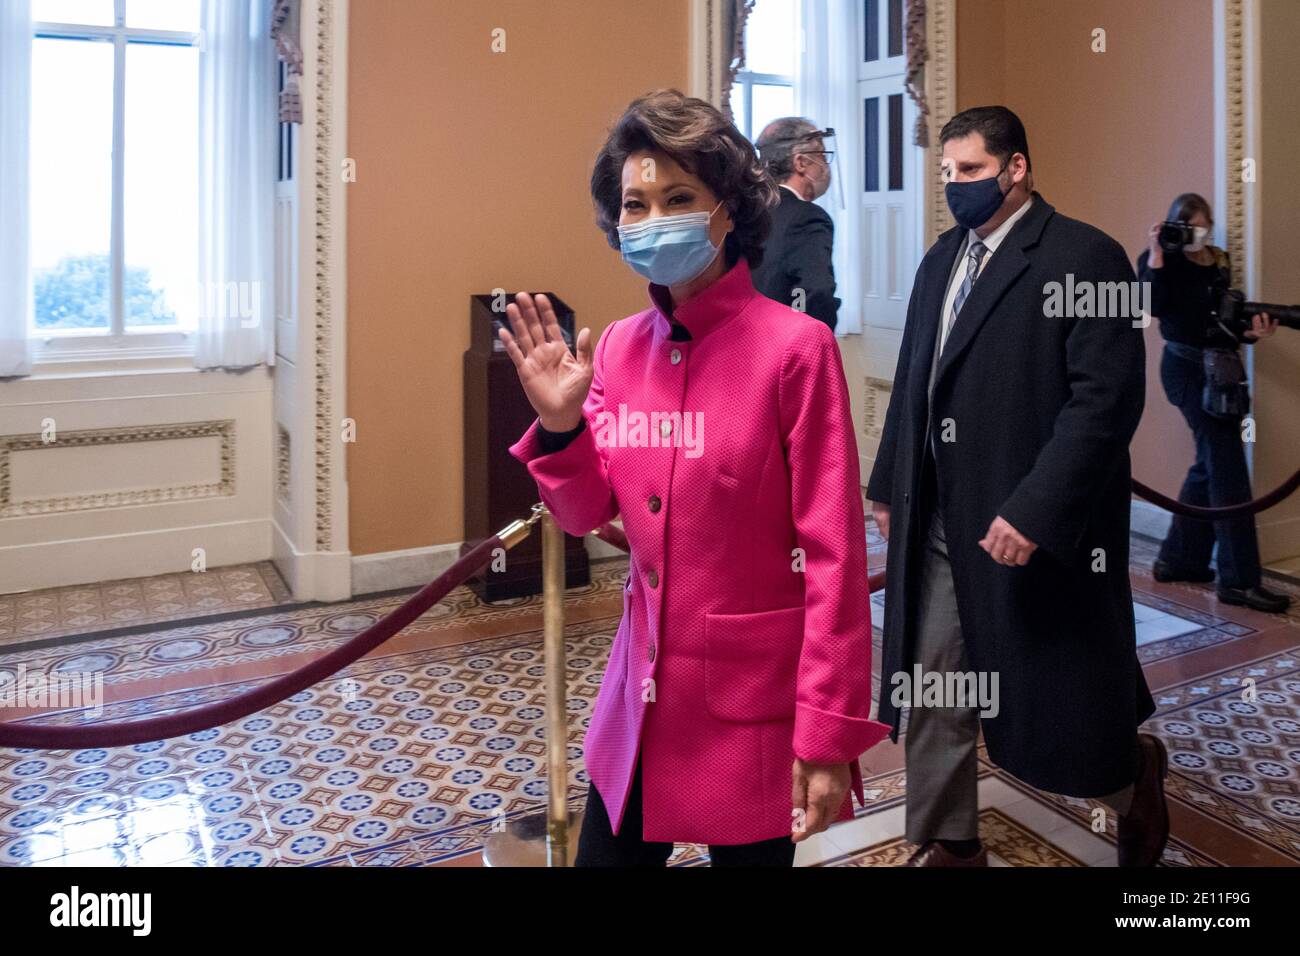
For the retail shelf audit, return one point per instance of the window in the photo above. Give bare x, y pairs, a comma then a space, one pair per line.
764, 89
114, 183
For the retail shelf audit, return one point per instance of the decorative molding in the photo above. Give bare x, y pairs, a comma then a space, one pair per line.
710, 70
311, 526
224, 486
704, 78
323, 312
941, 93
282, 463
875, 402
1234, 215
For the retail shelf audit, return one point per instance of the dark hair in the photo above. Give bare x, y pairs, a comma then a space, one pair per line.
704, 143
1187, 205
1004, 134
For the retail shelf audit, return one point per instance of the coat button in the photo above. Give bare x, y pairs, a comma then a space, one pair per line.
665, 428
650, 653
653, 578
654, 503
675, 356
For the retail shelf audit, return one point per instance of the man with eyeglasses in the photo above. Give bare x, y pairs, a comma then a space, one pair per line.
796, 268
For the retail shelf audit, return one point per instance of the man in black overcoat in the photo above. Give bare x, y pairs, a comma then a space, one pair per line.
1002, 484
796, 269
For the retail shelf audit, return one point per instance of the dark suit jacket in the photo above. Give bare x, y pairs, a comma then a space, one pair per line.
1040, 407
798, 256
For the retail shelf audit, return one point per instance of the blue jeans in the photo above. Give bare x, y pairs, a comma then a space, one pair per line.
1218, 478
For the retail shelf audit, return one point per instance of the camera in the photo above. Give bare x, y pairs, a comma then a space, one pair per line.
1174, 235
1234, 312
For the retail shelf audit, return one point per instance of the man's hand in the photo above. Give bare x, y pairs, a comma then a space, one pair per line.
819, 791
1006, 545
881, 513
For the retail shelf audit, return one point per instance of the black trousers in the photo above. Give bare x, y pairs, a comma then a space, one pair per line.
1219, 477
598, 846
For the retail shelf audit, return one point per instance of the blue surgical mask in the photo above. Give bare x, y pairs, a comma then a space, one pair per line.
669, 250
974, 203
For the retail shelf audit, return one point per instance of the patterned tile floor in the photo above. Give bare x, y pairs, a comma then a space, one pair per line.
414, 754
62, 612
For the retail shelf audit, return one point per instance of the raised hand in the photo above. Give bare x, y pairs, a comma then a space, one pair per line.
555, 380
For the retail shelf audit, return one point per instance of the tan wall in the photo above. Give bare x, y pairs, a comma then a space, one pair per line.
1277, 361
473, 167
472, 174
1113, 136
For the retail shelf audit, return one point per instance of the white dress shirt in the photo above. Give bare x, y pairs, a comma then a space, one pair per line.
958, 276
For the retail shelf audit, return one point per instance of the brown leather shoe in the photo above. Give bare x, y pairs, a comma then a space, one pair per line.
933, 854
1144, 830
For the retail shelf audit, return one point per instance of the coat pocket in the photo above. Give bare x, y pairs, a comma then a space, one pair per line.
751, 662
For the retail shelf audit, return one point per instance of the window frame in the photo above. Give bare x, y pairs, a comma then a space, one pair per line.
744, 83
60, 345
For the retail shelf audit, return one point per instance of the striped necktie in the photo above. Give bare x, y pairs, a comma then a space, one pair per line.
974, 256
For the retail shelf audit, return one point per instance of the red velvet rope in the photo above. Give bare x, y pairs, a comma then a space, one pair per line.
83, 736
123, 733
1218, 514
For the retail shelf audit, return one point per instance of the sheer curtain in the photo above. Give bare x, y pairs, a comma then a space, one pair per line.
237, 133
15, 166
826, 89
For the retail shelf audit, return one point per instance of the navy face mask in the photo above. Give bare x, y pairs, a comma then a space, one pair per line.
974, 203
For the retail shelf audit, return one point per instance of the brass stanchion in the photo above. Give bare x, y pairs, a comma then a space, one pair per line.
549, 839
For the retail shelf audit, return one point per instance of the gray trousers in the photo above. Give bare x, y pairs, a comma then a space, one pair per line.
940, 743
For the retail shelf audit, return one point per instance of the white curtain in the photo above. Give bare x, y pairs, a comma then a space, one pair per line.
237, 149
826, 92
15, 166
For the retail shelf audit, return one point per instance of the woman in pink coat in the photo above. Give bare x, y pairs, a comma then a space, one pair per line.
736, 700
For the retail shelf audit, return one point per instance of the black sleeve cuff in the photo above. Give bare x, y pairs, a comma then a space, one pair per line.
558, 441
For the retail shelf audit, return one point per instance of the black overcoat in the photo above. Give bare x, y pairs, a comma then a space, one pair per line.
1041, 410
797, 255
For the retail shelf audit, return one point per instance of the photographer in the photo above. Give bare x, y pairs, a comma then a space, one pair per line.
1185, 286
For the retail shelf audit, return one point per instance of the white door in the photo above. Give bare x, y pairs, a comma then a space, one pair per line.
887, 186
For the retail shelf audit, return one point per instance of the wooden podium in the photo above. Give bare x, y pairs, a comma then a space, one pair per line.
498, 488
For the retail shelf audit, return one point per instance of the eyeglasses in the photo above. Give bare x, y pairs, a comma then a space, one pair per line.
827, 154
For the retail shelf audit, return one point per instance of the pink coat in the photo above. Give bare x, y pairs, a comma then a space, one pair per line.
746, 629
